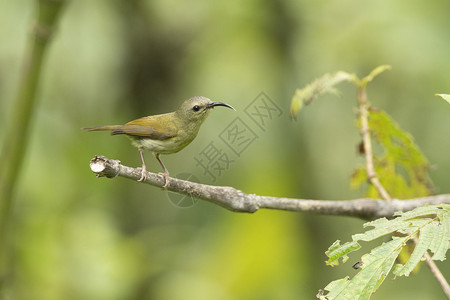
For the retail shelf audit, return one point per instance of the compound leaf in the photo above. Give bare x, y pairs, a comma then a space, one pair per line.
399, 164
318, 87
431, 226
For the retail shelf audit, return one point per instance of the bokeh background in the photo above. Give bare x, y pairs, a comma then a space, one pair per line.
111, 61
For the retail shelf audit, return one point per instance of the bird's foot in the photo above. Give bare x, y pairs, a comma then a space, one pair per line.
166, 178
143, 174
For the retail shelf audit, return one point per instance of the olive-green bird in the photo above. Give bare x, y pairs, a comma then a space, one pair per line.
166, 133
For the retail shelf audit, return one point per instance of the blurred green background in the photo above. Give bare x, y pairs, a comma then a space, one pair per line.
79, 237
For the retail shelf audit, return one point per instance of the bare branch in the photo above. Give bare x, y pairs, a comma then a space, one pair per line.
236, 200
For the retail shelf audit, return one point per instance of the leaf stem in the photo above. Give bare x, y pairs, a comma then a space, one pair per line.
372, 176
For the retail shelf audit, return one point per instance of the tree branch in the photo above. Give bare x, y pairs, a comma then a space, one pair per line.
236, 200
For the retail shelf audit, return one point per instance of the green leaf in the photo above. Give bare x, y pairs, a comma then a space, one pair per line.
381, 226
431, 224
421, 247
441, 241
318, 87
337, 251
375, 269
335, 288
399, 164
445, 97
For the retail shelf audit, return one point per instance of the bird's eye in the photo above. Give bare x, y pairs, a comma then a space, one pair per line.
196, 108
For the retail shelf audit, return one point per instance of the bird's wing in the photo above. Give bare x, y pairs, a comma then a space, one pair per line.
155, 127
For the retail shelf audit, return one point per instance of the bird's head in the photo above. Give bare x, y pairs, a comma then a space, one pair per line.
195, 110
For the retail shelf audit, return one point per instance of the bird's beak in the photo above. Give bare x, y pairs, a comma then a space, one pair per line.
212, 104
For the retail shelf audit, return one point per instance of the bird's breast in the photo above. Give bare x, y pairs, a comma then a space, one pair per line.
167, 146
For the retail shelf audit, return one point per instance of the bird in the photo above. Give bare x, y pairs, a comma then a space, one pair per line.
165, 133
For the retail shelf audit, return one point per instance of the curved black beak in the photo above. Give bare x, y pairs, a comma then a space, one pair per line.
212, 104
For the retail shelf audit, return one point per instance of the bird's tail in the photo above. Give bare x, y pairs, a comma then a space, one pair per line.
101, 128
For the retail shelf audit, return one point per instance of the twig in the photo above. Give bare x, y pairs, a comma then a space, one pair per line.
238, 201
437, 273
367, 142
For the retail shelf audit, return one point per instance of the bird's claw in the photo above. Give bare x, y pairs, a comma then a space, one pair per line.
166, 178
143, 175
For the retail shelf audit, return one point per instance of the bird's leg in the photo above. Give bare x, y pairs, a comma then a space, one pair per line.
144, 168
166, 172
